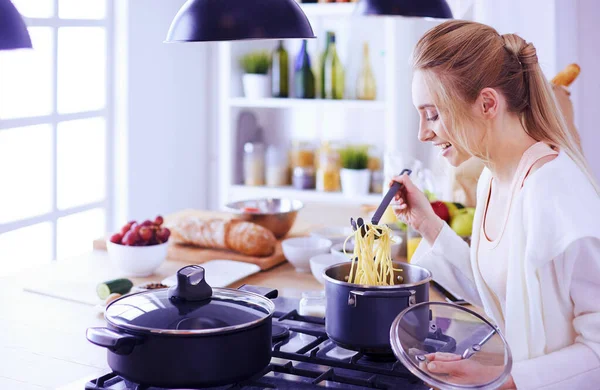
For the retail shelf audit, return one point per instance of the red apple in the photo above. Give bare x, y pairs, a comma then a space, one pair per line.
441, 210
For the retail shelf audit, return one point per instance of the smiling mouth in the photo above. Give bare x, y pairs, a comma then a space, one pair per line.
444, 146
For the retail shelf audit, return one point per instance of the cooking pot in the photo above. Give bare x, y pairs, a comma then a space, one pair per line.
190, 335
359, 317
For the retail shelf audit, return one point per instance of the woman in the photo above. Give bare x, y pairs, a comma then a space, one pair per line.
534, 260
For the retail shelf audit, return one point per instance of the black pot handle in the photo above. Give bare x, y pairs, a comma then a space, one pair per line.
264, 291
119, 343
356, 295
191, 285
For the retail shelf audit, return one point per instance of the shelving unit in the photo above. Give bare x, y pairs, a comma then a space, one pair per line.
242, 102
248, 192
389, 123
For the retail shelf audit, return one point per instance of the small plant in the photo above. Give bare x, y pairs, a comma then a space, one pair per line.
354, 157
256, 62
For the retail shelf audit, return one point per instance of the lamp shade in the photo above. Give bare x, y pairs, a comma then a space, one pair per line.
232, 20
13, 32
421, 8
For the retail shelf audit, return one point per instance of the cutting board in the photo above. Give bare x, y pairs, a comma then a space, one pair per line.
76, 279
195, 255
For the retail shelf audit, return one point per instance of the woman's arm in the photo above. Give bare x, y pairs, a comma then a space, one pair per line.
448, 259
578, 365
441, 250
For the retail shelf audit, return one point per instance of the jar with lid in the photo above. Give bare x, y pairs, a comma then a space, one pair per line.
254, 164
277, 167
328, 172
303, 178
313, 304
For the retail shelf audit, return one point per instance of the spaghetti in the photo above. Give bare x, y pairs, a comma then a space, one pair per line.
372, 263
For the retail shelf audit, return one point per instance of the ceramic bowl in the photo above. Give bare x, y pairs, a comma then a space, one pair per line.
319, 263
137, 261
299, 250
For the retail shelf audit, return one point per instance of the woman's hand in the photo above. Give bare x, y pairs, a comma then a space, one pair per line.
463, 371
412, 207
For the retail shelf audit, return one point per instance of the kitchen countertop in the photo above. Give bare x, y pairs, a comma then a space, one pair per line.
42, 338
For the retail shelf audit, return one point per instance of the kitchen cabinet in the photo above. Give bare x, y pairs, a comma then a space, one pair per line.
389, 123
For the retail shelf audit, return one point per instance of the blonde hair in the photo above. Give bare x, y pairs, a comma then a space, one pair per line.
460, 58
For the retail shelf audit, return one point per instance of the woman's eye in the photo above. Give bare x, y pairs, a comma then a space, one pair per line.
432, 118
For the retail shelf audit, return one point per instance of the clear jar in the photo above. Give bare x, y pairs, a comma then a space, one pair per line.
303, 178
254, 164
377, 182
328, 172
313, 304
303, 154
277, 171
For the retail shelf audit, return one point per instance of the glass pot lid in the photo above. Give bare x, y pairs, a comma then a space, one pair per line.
450, 347
190, 307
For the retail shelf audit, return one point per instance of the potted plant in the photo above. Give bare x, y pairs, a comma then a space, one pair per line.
354, 175
255, 80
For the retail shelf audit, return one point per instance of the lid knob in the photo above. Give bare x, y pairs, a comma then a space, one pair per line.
191, 285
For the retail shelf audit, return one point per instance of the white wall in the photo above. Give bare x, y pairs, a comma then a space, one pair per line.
587, 87
563, 32
162, 116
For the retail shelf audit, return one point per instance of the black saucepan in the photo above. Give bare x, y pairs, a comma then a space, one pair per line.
359, 317
189, 335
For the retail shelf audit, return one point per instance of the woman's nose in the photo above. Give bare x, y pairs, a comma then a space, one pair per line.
425, 133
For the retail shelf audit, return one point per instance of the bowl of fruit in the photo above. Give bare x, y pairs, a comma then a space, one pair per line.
139, 248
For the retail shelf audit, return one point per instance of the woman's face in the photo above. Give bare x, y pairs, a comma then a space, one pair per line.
431, 128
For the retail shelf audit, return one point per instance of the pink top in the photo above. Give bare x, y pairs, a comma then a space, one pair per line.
492, 254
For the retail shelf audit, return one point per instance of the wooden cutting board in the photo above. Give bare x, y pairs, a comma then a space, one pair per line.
195, 255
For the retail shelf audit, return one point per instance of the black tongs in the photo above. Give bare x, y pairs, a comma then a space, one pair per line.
385, 202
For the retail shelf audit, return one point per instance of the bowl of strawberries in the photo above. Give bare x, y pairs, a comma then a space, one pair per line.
139, 248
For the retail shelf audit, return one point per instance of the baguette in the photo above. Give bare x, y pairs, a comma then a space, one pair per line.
240, 236
567, 75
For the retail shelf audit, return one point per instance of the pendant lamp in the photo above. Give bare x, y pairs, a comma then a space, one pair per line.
13, 32
420, 8
232, 20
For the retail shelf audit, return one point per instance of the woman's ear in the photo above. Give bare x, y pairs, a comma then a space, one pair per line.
488, 103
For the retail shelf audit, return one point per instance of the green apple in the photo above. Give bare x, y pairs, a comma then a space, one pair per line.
452, 209
462, 223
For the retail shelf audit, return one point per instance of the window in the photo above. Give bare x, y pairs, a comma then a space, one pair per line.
55, 133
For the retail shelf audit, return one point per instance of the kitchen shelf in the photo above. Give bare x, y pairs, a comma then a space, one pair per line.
315, 103
328, 9
239, 192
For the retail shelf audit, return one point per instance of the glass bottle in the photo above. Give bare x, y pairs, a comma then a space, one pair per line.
321, 72
279, 72
333, 73
304, 78
365, 85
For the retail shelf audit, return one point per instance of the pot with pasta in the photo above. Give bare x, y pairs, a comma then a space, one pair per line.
365, 295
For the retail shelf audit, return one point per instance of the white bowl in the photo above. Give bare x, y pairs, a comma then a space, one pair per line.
137, 261
299, 250
335, 234
318, 264
338, 250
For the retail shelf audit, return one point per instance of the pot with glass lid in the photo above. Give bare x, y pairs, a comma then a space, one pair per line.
190, 335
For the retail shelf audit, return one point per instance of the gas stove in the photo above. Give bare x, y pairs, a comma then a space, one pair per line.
304, 358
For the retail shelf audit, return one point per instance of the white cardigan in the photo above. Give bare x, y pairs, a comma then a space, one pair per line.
552, 319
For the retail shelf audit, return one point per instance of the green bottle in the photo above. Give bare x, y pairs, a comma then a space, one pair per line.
304, 79
333, 74
321, 66
279, 72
